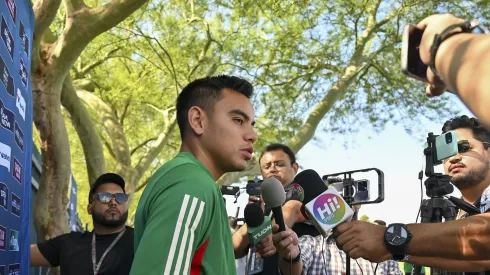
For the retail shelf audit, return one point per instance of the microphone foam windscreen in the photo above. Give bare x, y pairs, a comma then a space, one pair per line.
272, 192
253, 215
312, 184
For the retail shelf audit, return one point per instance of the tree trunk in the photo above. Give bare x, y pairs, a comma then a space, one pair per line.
50, 214
87, 133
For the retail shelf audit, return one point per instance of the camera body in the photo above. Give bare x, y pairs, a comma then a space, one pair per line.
253, 187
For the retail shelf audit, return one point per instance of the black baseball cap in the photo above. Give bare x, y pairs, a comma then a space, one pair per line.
106, 178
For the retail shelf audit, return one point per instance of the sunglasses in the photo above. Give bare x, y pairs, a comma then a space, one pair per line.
106, 197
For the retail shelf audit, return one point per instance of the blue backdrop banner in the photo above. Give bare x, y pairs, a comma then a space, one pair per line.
16, 27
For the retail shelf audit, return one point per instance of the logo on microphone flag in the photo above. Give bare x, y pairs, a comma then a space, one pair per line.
329, 208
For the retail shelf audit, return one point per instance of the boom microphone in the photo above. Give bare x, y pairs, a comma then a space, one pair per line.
258, 225
274, 197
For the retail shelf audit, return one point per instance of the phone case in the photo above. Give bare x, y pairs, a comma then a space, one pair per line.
445, 149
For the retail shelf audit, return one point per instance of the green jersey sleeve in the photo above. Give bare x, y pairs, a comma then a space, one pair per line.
175, 216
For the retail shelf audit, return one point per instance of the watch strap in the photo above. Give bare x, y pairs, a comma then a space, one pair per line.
466, 27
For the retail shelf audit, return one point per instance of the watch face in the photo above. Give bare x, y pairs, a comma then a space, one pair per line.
396, 235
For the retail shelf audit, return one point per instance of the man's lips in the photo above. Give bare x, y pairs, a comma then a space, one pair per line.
248, 152
455, 166
113, 210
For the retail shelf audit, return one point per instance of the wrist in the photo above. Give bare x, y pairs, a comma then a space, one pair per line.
292, 257
450, 52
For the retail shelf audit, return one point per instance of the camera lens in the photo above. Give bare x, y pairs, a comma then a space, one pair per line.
449, 138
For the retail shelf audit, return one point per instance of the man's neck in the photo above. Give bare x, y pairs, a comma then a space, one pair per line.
203, 157
103, 230
474, 192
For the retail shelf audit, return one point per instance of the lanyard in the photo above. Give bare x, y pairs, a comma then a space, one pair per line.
96, 267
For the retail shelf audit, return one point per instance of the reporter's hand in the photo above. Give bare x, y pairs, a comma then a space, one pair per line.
266, 247
292, 212
286, 242
255, 199
362, 240
432, 25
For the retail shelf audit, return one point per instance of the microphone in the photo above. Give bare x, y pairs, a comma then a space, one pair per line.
258, 225
274, 197
325, 206
311, 183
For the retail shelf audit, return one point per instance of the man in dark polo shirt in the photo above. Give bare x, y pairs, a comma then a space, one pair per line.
111, 241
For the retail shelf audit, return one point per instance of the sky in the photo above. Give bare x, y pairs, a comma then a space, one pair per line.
398, 154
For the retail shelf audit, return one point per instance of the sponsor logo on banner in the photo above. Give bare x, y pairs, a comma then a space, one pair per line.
329, 208
7, 37
5, 155
17, 171
18, 136
6, 117
3, 238
24, 38
12, 8
7, 79
15, 205
23, 72
14, 240
4, 196
20, 103
14, 269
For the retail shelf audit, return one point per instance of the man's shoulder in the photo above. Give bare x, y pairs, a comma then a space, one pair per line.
485, 201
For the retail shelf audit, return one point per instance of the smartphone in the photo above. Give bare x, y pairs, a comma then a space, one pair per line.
362, 190
411, 64
446, 145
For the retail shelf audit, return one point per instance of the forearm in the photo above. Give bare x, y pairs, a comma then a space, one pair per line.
241, 242
463, 61
451, 265
287, 268
467, 239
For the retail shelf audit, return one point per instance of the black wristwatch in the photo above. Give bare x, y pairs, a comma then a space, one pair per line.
397, 238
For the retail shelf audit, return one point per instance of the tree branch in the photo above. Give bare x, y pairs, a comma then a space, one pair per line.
125, 112
85, 128
44, 14
109, 148
72, 6
142, 144
96, 63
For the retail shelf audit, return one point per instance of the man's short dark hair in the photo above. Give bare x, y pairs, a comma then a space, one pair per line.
479, 131
103, 179
205, 92
279, 147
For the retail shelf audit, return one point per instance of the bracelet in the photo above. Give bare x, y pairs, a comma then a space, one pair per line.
439, 38
295, 260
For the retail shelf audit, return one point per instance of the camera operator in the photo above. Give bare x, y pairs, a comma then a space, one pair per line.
462, 61
460, 240
316, 255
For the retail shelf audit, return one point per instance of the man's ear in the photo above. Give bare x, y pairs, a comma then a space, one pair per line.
197, 120
89, 209
295, 167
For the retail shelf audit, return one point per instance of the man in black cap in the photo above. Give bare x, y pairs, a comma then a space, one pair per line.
108, 249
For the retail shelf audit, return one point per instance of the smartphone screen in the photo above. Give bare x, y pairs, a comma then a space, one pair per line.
362, 193
412, 65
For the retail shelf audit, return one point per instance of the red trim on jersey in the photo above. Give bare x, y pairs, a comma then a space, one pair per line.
196, 265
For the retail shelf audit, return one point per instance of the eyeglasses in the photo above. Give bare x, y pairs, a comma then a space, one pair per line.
106, 197
278, 164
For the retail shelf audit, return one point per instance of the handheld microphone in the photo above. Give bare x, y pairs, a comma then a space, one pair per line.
258, 225
325, 207
311, 183
274, 197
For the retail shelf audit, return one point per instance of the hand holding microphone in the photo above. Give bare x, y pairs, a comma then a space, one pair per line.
274, 197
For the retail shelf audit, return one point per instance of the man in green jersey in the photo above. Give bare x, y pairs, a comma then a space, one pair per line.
181, 224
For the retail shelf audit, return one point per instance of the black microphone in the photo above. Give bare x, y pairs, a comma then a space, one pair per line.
311, 183
274, 197
258, 226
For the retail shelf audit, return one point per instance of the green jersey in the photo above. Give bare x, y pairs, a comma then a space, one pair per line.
181, 225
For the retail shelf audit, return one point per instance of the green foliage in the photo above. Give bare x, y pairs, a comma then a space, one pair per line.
294, 52
364, 218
